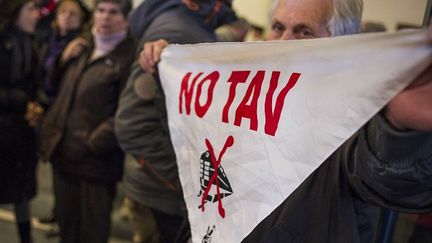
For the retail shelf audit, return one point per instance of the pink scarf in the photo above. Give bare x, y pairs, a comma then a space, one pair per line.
106, 43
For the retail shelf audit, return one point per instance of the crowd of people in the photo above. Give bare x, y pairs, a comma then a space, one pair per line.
80, 90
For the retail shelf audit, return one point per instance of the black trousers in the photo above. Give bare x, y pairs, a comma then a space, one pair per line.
83, 209
169, 226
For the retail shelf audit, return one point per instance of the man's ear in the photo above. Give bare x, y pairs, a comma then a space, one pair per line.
191, 5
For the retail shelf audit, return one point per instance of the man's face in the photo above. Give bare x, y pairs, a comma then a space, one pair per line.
300, 19
108, 18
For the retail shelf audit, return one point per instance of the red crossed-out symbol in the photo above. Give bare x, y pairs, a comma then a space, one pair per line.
228, 143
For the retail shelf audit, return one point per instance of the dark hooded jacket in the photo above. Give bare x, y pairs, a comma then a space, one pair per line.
141, 124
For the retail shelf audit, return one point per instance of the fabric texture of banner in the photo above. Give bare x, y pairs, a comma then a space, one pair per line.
250, 121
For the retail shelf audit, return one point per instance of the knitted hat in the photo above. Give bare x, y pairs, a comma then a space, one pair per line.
125, 5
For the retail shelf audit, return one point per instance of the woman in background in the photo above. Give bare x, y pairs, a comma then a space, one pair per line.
70, 17
69, 20
77, 134
19, 112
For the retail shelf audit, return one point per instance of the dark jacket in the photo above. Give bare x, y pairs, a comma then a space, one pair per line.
50, 51
340, 201
141, 124
78, 131
18, 67
149, 10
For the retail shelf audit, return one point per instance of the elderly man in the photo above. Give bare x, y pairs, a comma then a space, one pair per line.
387, 164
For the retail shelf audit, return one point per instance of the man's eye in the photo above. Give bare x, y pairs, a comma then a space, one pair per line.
278, 27
113, 12
305, 34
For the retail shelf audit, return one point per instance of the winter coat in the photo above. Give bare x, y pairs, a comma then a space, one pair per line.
18, 68
141, 124
50, 51
78, 131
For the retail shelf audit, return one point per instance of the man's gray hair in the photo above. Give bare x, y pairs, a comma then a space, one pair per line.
346, 17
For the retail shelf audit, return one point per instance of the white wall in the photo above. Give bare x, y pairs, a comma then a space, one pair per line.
89, 3
391, 12
255, 11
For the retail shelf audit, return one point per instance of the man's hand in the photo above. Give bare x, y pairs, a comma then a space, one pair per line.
151, 53
34, 114
74, 49
412, 108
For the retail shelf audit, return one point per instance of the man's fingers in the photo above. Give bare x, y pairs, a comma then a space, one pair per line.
141, 58
146, 58
157, 53
151, 53
158, 48
144, 62
148, 52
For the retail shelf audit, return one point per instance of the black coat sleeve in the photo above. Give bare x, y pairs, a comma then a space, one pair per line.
392, 168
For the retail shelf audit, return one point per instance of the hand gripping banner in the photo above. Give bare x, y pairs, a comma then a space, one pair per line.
250, 121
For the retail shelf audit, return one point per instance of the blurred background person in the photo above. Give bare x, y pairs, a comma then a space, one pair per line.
70, 18
19, 113
233, 32
256, 33
370, 26
77, 134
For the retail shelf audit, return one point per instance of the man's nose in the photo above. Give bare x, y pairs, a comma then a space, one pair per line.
287, 35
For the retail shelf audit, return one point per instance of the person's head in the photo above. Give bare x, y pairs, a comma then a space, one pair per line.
205, 8
371, 26
22, 14
306, 19
70, 15
27, 17
110, 16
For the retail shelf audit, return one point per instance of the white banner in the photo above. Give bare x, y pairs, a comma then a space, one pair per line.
267, 114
